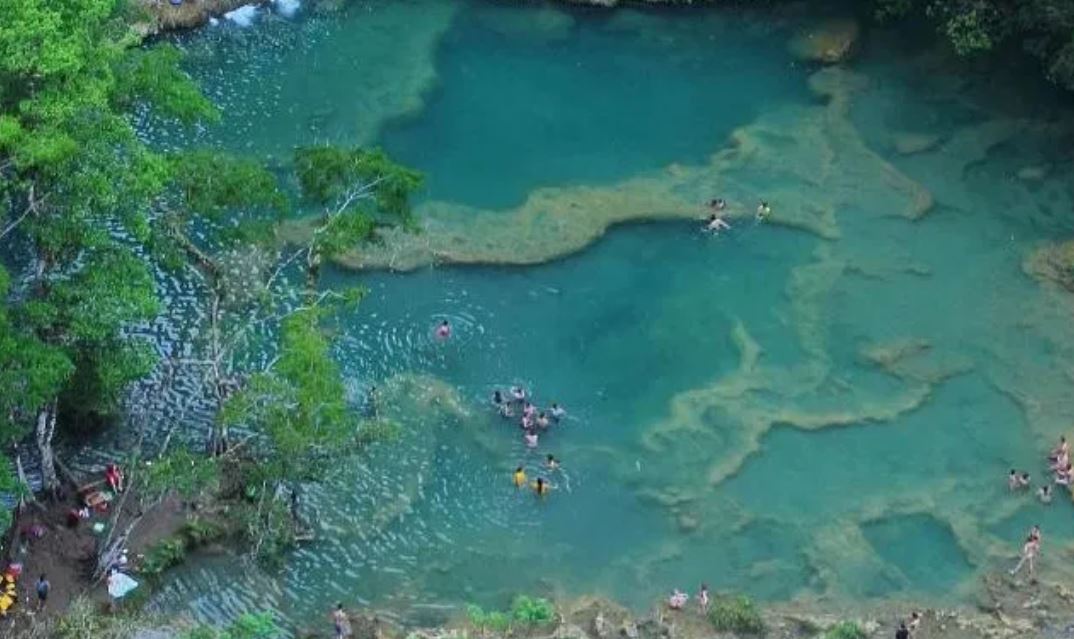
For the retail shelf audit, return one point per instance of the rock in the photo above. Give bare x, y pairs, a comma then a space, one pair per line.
629, 630
653, 629
829, 42
908, 143
1032, 173
569, 631
687, 523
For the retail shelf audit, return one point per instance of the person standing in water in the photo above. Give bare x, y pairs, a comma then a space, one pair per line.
763, 211
444, 330
541, 487
519, 477
551, 463
716, 224
557, 412
1030, 550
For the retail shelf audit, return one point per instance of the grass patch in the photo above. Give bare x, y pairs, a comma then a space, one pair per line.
735, 614
171, 551
525, 612
845, 630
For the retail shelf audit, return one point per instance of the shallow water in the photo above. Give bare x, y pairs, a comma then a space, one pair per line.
826, 404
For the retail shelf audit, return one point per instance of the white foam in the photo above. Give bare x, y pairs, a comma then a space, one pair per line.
213, 22
243, 16
287, 8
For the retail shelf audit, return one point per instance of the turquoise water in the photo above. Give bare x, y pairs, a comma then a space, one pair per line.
823, 405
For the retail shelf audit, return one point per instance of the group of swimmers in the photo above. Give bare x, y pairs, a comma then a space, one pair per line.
532, 422
1058, 463
715, 223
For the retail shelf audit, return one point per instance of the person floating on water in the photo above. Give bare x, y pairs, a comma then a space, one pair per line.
519, 477
716, 224
551, 463
763, 210
518, 394
497, 398
1044, 494
718, 204
444, 330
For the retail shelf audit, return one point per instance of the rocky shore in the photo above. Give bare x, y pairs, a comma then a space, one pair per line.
1006, 609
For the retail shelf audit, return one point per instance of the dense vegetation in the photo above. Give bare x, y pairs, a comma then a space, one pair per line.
1044, 28
93, 217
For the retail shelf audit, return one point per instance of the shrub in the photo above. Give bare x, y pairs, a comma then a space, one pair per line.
845, 630
735, 614
532, 611
163, 555
497, 622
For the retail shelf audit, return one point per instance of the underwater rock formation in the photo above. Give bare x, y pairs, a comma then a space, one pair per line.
829, 42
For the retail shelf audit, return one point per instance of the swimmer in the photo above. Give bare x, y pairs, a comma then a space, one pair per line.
677, 599
1045, 494
541, 487
542, 421
518, 394
1061, 460
530, 410
703, 598
557, 412
551, 463
763, 210
506, 410
1063, 476
716, 224
527, 422
497, 398
530, 438
1012, 480
444, 330
718, 204
1024, 481
519, 477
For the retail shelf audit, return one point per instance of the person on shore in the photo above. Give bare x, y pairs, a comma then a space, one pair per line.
43, 588
1030, 550
915, 621
541, 487
341, 622
1044, 494
716, 224
530, 437
1034, 533
551, 463
703, 598
557, 412
677, 599
443, 331
519, 477
902, 632
542, 421
114, 476
763, 211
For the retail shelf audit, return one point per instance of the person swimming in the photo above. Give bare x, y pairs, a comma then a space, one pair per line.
716, 224
518, 394
1012, 480
1064, 475
519, 477
541, 487
529, 410
506, 410
557, 412
718, 204
1024, 481
1044, 494
530, 437
1063, 449
444, 330
526, 423
551, 463
542, 421
763, 210
497, 398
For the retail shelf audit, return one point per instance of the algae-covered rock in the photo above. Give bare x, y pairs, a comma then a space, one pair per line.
830, 41
1052, 263
1033, 173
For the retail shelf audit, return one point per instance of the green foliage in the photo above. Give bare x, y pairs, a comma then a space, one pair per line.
152, 75
214, 184
532, 611
491, 621
84, 618
327, 173
168, 552
845, 630
735, 614
247, 626
181, 472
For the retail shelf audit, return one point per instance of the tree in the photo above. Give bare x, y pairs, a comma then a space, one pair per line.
78, 185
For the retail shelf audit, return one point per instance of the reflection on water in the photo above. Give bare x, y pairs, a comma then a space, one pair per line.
776, 411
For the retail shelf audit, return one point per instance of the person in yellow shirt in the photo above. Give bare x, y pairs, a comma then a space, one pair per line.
519, 477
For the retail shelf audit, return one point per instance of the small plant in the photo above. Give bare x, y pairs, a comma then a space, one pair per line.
494, 621
163, 555
845, 630
735, 614
532, 611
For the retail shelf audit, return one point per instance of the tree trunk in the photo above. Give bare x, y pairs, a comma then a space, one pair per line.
45, 429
